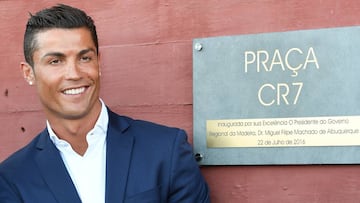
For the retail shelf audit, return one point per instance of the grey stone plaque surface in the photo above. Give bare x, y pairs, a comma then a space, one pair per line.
278, 98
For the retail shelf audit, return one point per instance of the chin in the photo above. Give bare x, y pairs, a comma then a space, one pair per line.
74, 114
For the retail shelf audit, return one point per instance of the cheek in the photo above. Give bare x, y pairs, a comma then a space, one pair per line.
93, 73
47, 81
47, 77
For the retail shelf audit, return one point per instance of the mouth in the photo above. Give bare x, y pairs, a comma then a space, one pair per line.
74, 91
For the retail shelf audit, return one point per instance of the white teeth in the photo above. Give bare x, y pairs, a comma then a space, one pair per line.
75, 91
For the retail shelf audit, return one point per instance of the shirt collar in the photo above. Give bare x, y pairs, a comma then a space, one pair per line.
100, 125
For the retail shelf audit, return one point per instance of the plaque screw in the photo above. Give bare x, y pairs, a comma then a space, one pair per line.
198, 157
198, 46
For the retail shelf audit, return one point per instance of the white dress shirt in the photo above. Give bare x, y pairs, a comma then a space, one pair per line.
88, 172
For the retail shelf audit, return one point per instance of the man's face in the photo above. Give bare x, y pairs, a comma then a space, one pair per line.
66, 73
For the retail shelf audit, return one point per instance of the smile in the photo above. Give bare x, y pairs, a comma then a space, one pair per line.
74, 91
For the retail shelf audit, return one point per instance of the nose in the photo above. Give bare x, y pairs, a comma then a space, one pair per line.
72, 71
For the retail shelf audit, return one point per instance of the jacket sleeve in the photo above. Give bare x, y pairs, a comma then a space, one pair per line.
7, 194
187, 184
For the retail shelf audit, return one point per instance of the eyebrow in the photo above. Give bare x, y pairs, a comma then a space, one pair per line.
85, 51
59, 54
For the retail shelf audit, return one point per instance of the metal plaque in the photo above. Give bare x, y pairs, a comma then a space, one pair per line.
278, 98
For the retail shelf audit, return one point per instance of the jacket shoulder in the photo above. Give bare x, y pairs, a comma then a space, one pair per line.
16, 161
141, 128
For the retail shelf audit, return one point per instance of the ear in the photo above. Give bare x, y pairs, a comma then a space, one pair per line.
28, 72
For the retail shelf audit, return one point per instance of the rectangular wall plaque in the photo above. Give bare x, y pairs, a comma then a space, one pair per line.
278, 98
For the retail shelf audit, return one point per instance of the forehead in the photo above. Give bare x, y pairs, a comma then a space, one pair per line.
60, 39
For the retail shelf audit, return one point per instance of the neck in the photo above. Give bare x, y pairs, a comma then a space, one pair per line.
75, 131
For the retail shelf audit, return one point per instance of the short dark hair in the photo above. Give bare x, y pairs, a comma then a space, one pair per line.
59, 16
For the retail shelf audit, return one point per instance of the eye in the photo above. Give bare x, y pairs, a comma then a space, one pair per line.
54, 61
85, 58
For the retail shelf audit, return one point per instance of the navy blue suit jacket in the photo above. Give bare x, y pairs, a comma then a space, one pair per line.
145, 162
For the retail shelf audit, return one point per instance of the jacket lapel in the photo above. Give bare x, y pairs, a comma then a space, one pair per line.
53, 170
118, 156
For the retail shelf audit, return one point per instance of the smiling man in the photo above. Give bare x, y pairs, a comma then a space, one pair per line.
66, 73
87, 153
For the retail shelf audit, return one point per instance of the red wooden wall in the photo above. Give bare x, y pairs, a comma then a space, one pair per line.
146, 48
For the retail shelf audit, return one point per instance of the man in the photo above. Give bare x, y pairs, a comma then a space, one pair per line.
87, 153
